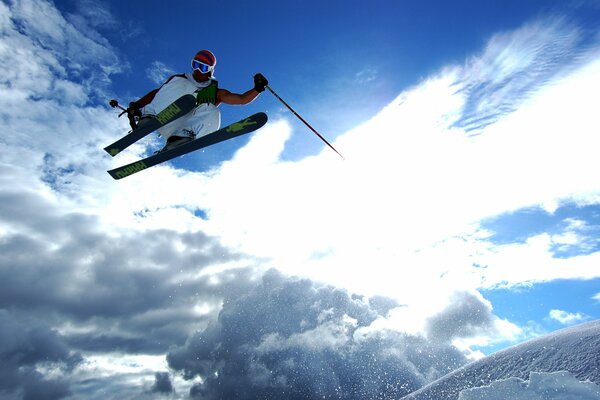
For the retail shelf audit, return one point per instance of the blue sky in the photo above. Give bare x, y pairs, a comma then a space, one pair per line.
465, 218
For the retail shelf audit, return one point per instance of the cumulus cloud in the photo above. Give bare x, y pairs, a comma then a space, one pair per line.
102, 304
25, 350
162, 383
467, 314
72, 276
82, 269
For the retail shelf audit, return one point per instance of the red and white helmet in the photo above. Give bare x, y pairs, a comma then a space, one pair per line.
204, 61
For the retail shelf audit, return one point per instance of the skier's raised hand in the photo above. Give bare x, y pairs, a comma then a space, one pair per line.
260, 82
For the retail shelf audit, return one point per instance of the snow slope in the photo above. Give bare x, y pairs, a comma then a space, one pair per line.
575, 349
541, 386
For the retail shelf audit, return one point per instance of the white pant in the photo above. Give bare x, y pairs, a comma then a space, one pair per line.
203, 119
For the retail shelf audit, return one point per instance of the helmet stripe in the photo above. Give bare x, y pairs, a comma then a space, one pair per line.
206, 57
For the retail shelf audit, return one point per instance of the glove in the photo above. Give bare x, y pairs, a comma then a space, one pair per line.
260, 82
134, 110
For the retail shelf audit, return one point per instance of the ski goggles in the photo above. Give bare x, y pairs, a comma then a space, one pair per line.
200, 66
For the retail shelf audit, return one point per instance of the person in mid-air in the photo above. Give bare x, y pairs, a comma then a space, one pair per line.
205, 117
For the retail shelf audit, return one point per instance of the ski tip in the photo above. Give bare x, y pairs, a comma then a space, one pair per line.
260, 117
130, 169
113, 151
113, 175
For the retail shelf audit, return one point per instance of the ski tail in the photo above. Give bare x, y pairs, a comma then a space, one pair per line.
177, 109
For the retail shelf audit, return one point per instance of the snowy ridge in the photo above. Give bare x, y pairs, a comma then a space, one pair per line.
574, 349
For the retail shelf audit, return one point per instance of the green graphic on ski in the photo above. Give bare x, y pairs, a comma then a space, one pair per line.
177, 109
236, 129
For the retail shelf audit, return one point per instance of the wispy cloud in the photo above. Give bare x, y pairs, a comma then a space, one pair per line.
578, 238
158, 72
514, 66
48, 41
366, 75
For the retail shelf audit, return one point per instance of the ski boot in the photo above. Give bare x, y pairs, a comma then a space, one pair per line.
177, 140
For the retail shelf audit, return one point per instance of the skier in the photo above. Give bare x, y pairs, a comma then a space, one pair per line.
205, 117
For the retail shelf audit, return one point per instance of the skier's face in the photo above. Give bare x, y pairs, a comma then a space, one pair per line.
201, 77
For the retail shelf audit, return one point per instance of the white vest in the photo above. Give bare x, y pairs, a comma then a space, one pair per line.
171, 91
204, 119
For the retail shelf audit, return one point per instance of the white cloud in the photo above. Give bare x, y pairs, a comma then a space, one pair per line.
401, 213
366, 75
400, 216
48, 44
530, 262
513, 67
567, 318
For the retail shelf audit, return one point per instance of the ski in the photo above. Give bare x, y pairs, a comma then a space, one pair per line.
177, 109
236, 129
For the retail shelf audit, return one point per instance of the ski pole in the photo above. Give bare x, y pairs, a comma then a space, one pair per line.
115, 104
302, 119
